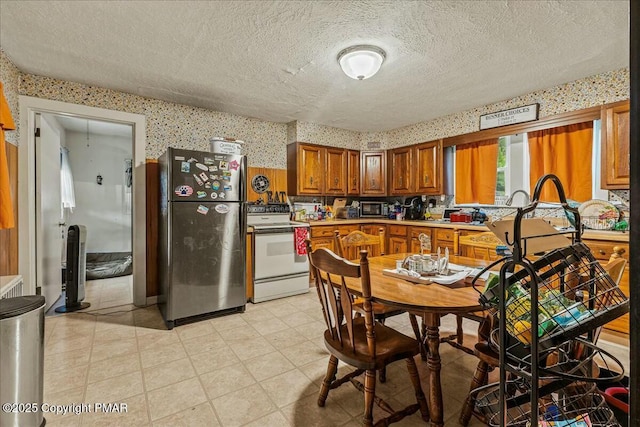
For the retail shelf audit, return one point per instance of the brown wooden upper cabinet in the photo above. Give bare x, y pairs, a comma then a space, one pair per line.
373, 180
416, 169
428, 168
305, 169
615, 147
400, 173
353, 172
320, 170
336, 171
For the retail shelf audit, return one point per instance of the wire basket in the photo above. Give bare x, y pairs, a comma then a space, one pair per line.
560, 404
575, 360
575, 296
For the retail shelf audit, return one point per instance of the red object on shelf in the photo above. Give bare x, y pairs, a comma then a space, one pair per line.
460, 217
613, 394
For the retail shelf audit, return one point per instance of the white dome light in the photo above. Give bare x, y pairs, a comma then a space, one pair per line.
361, 62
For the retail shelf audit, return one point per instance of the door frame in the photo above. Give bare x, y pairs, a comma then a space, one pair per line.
29, 106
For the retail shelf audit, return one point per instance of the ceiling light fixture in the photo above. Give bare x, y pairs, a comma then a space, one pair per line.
361, 62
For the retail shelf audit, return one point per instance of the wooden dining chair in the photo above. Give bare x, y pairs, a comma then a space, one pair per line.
349, 247
479, 246
360, 341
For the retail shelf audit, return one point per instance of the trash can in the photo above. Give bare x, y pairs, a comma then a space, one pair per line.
21, 360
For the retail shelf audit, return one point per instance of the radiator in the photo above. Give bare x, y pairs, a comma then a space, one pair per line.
11, 286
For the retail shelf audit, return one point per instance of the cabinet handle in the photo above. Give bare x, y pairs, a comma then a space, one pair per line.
373, 182
400, 180
426, 179
336, 181
602, 252
311, 180
354, 181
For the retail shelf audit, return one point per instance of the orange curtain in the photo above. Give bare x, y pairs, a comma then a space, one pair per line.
564, 151
6, 206
476, 171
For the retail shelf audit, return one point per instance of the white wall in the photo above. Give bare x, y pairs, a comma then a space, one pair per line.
104, 209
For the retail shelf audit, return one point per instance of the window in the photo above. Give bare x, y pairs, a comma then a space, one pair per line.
513, 167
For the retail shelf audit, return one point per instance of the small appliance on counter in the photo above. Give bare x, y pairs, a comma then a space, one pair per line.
414, 210
371, 209
460, 216
478, 216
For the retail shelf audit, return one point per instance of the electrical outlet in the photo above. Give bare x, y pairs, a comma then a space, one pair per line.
424, 198
442, 197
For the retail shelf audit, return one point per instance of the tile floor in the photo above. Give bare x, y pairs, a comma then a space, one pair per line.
262, 367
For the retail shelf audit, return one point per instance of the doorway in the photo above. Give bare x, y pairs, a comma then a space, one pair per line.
28, 198
95, 171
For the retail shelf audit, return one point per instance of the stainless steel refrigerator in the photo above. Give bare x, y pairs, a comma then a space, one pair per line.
202, 235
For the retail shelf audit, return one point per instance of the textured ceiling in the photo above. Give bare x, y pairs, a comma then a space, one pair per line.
276, 60
75, 124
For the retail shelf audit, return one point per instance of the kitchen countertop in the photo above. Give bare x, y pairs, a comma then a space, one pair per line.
616, 236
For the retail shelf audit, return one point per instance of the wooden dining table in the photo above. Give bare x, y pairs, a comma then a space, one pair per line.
431, 301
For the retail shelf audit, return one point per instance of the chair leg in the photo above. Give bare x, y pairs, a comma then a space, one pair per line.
459, 332
369, 395
328, 379
419, 336
382, 375
415, 380
479, 379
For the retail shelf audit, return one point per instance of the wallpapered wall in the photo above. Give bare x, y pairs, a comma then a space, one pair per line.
190, 127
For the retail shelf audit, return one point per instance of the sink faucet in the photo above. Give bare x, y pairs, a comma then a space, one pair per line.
526, 195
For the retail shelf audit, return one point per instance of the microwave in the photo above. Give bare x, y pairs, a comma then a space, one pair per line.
373, 209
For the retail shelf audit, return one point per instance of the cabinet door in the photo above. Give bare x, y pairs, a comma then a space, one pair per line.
621, 324
414, 241
428, 167
373, 173
310, 169
336, 170
353, 172
615, 147
400, 171
321, 243
397, 245
346, 229
444, 238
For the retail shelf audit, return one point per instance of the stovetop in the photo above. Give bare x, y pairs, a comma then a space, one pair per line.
258, 209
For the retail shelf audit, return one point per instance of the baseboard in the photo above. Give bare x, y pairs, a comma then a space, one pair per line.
152, 300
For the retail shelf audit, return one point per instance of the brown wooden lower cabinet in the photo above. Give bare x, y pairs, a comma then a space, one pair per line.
602, 251
322, 242
414, 242
397, 245
444, 238
397, 239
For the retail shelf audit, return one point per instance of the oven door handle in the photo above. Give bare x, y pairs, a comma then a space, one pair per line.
275, 230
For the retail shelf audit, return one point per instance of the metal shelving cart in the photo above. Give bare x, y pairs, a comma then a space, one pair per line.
550, 363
